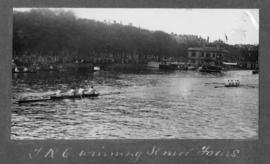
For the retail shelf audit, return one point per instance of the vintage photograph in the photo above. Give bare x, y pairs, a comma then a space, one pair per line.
109, 73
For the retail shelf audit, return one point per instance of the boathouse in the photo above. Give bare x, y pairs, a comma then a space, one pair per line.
212, 56
250, 60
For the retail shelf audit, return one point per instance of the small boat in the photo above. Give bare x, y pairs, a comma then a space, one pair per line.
192, 68
210, 69
168, 66
54, 97
153, 64
255, 71
232, 85
228, 86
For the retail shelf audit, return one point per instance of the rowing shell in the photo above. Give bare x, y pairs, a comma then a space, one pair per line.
58, 98
74, 96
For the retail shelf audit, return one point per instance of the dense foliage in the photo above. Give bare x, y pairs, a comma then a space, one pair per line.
46, 32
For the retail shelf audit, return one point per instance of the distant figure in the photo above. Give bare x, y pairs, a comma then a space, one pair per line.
25, 69
16, 69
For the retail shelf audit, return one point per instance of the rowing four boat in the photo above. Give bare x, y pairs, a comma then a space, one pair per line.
54, 97
74, 96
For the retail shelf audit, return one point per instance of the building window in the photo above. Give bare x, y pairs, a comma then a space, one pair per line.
193, 54
214, 55
208, 55
202, 54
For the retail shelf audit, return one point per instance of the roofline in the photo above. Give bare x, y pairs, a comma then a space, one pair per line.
211, 49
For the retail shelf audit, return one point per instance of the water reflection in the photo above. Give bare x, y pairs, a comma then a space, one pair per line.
184, 105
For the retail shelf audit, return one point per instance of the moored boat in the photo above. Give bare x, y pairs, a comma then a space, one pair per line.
210, 69
168, 66
255, 71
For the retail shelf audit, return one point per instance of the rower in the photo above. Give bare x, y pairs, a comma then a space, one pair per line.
71, 92
81, 91
238, 83
16, 69
58, 93
25, 69
91, 90
228, 83
232, 83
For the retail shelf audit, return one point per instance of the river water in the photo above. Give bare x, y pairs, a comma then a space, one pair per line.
152, 105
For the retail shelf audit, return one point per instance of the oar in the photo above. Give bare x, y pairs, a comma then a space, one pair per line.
15, 134
32, 100
214, 83
249, 86
47, 99
111, 93
219, 86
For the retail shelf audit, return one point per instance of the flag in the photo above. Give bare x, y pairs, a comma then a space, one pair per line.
226, 38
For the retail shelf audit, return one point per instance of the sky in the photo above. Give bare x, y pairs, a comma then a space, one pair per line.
241, 26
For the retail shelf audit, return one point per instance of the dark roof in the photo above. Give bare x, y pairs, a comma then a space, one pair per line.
208, 49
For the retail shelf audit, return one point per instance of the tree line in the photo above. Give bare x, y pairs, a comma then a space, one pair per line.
45, 32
